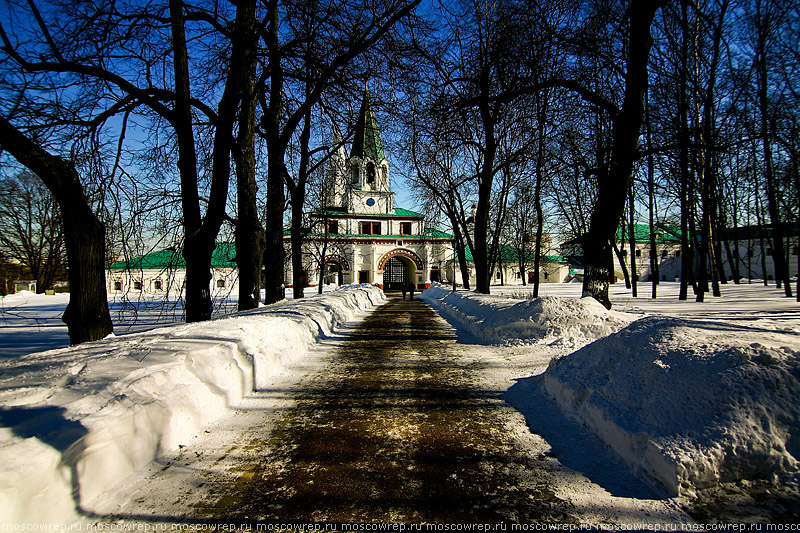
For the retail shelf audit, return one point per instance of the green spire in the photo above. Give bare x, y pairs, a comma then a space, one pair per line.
367, 142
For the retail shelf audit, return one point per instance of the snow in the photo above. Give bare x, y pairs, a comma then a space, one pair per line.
564, 322
75, 421
684, 395
31, 322
687, 401
711, 401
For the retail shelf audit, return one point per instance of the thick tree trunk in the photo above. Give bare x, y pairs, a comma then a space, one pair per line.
613, 184
480, 250
87, 317
298, 199
196, 251
459, 247
249, 233
274, 253
299, 276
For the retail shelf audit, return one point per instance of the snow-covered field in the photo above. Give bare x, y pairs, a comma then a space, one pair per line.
32, 322
75, 421
706, 394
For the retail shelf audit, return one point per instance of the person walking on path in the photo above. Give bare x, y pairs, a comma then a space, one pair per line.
411, 291
405, 289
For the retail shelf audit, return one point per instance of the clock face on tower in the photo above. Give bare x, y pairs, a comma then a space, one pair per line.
370, 201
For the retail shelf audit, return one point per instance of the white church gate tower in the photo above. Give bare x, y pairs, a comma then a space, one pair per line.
369, 239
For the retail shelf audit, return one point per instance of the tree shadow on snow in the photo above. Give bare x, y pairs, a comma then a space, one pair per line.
574, 445
49, 425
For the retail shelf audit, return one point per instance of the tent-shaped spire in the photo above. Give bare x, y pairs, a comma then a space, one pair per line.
367, 142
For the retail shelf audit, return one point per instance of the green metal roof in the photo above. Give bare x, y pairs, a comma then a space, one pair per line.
641, 232
437, 234
367, 142
400, 212
508, 254
223, 257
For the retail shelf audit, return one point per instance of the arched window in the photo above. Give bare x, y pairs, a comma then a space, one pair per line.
370, 172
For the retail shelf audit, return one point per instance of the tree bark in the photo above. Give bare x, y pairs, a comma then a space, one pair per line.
613, 183
86, 316
298, 198
275, 255
480, 251
196, 249
249, 233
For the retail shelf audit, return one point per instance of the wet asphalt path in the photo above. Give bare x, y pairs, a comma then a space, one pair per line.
394, 430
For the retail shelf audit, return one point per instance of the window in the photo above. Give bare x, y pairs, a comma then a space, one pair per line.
333, 227
405, 228
677, 253
370, 172
157, 285
624, 253
638, 253
370, 228
137, 285
117, 285
220, 283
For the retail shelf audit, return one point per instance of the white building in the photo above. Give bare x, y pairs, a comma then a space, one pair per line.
363, 236
668, 252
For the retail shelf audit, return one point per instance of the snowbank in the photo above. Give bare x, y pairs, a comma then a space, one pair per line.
564, 322
76, 420
689, 403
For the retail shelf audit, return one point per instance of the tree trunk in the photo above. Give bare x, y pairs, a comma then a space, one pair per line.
196, 251
274, 253
651, 207
537, 193
86, 316
778, 257
613, 184
632, 243
622, 264
249, 233
686, 193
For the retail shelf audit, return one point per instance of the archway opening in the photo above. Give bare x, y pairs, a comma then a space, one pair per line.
333, 273
395, 274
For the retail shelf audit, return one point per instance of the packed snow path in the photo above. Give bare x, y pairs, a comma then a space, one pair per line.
393, 430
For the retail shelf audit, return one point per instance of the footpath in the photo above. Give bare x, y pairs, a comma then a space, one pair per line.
392, 429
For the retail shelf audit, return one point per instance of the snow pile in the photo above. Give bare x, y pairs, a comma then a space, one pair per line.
74, 421
564, 322
688, 402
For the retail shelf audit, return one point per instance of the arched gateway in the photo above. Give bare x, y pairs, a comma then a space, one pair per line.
399, 268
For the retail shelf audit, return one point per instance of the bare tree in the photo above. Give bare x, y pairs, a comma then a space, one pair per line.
32, 231
86, 315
